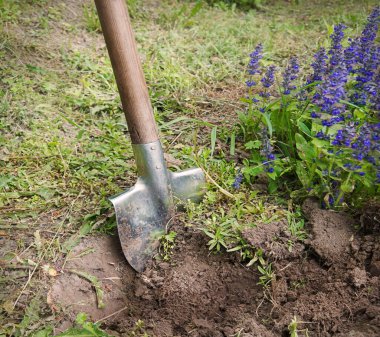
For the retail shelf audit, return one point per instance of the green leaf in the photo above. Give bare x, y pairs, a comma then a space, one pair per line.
253, 144
95, 283
197, 7
251, 262
272, 186
272, 175
36, 69
5, 180
46, 193
213, 139
305, 150
253, 171
302, 174
348, 186
91, 330
359, 114
268, 123
31, 313
235, 249
304, 128
46, 332
74, 239
232, 147
81, 318
300, 140
210, 235
319, 143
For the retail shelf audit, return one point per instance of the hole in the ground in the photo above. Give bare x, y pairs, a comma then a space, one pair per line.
312, 254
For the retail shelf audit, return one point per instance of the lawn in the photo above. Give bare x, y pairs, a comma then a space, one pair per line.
247, 261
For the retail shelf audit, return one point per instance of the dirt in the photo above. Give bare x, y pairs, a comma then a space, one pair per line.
330, 283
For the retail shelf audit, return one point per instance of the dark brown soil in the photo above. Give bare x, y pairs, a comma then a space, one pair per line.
330, 284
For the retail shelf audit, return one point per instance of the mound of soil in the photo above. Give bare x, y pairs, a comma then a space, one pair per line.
330, 283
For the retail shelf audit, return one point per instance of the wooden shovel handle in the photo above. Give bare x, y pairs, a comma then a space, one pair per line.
121, 45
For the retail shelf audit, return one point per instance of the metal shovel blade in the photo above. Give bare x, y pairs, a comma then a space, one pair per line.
143, 211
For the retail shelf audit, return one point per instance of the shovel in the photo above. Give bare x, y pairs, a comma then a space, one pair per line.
143, 211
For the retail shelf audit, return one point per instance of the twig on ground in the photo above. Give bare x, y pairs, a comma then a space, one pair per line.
111, 315
224, 191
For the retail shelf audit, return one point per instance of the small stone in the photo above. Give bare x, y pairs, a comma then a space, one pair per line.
358, 277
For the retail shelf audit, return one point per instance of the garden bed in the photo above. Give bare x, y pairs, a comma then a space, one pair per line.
330, 284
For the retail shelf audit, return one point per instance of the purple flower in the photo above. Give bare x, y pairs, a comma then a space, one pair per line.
290, 75
331, 91
351, 54
250, 83
369, 33
321, 135
368, 57
345, 136
336, 51
268, 78
331, 200
267, 150
319, 66
238, 180
255, 57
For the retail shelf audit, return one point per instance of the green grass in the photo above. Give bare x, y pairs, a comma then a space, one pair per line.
63, 145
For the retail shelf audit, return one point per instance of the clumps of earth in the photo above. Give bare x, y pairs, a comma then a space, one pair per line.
329, 283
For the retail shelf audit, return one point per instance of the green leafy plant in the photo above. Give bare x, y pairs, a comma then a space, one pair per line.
138, 330
9, 11
293, 328
242, 4
84, 328
296, 224
325, 131
167, 243
89, 329
181, 16
91, 18
267, 275
219, 229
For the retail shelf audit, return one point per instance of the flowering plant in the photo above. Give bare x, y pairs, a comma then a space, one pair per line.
325, 130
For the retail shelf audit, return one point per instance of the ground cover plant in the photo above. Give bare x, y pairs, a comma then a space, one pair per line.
324, 129
244, 262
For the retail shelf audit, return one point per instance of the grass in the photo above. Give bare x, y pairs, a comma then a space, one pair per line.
62, 141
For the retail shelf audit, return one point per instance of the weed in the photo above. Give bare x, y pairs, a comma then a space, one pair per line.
167, 243
241, 4
257, 257
298, 284
181, 16
138, 330
219, 229
293, 328
91, 17
9, 11
84, 328
296, 224
267, 275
